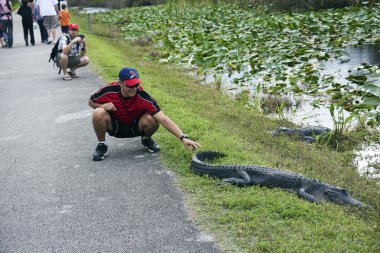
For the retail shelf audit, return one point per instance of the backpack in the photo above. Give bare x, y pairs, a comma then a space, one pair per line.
55, 51
2, 11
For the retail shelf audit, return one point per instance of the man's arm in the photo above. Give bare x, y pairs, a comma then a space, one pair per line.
166, 122
66, 49
107, 106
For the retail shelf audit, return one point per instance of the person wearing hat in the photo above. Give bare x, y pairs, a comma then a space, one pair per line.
72, 48
124, 109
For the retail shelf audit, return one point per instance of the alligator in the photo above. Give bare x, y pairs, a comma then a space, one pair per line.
307, 134
245, 175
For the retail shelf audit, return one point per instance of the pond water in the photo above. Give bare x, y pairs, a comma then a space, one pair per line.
306, 114
367, 156
340, 68
90, 10
367, 160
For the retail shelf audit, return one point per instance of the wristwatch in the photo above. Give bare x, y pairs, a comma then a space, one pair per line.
184, 136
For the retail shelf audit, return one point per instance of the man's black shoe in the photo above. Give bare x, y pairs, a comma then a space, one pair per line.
150, 144
100, 152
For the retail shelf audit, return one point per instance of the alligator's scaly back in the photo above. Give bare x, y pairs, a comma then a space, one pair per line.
244, 175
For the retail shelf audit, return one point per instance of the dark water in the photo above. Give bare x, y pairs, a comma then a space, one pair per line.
369, 53
364, 53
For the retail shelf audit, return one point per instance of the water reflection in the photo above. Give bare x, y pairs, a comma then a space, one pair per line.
354, 56
367, 160
369, 53
90, 10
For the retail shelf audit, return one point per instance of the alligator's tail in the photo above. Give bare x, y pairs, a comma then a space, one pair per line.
199, 165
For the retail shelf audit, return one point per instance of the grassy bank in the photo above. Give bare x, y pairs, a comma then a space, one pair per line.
250, 219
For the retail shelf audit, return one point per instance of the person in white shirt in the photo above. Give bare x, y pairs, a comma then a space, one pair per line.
48, 9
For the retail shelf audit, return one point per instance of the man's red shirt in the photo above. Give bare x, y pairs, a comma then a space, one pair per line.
133, 107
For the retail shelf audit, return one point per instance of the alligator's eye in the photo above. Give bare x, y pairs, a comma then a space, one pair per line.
331, 193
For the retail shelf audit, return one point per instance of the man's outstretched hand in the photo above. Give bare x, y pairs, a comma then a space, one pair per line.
187, 143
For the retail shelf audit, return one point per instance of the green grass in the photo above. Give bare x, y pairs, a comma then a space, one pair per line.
249, 219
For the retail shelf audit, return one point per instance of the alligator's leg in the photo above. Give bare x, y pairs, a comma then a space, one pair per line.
244, 179
302, 193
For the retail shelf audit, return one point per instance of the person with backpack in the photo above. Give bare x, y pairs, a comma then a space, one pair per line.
124, 109
71, 52
27, 22
6, 22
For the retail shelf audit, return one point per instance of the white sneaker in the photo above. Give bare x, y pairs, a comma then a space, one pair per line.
49, 41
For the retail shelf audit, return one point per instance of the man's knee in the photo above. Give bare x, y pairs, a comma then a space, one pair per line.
147, 120
100, 114
63, 60
84, 60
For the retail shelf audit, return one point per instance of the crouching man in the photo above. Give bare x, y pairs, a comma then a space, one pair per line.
124, 109
72, 48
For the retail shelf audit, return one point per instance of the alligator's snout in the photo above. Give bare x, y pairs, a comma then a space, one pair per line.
341, 196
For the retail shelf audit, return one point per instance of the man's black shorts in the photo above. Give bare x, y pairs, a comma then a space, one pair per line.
125, 131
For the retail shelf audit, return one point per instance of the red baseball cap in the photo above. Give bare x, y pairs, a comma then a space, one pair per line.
73, 26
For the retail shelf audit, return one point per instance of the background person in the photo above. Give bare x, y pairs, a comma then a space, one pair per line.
27, 22
48, 10
73, 55
1, 38
31, 6
124, 110
64, 19
40, 21
6, 22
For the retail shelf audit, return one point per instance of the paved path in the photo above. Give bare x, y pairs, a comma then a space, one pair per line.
53, 197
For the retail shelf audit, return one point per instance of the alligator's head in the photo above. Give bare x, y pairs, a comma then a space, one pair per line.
341, 196
282, 130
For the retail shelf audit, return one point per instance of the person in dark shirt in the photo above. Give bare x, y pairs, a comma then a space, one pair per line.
27, 22
125, 110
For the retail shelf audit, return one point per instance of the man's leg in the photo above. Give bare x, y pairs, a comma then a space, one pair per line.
63, 62
101, 121
25, 30
47, 25
31, 31
148, 126
54, 25
53, 33
10, 33
84, 60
